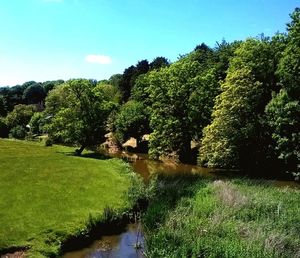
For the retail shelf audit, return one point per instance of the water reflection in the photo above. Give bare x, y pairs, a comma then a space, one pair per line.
129, 244
147, 167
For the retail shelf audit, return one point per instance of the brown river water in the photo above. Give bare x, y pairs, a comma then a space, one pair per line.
131, 243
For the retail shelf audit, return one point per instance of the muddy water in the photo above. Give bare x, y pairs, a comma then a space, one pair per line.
146, 168
129, 244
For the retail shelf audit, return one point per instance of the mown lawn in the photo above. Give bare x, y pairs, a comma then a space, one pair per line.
196, 217
47, 194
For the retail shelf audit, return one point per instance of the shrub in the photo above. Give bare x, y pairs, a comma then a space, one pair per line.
48, 142
36, 123
3, 129
18, 132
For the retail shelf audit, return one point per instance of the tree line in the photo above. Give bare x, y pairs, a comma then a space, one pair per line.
238, 103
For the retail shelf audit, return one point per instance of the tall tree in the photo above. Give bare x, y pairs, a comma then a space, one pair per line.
3, 106
235, 138
283, 111
34, 94
159, 62
20, 116
81, 118
129, 77
176, 94
132, 121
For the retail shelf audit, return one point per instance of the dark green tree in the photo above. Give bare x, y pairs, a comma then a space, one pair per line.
3, 106
177, 93
3, 128
132, 121
159, 62
34, 94
37, 122
283, 111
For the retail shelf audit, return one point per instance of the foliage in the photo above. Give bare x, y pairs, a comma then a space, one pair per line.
3, 106
283, 111
18, 132
50, 85
79, 113
37, 122
289, 68
3, 128
48, 142
34, 93
131, 121
20, 116
20, 94
222, 142
129, 77
110, 92
234, 137
115, 80
178, 94
283, 117
158, 62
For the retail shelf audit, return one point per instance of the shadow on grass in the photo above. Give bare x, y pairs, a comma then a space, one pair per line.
90, 155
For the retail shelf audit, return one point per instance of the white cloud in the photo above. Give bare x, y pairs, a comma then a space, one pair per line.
99, 59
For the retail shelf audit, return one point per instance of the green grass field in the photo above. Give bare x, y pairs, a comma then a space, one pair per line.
196, 217
47, 194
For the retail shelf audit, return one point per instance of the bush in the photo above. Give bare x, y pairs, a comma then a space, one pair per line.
3, 129
48, 142
36, 123
18, 132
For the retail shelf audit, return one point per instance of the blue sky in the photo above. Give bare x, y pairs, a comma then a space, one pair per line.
62, 39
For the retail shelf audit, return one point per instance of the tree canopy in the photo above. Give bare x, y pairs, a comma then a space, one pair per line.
80, 118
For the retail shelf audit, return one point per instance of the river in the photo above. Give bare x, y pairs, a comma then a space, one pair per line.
131, 243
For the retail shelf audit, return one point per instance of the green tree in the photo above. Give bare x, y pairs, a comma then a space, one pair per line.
283, 117
18, 132
132, 121
177, 94
50, 85
236, 138
34, 94
20, 116
81, 118
159, 62
115, 80
3, 128
233, 120
110, 92
37, 122
129, 77
283, 111
289, 68
3, 106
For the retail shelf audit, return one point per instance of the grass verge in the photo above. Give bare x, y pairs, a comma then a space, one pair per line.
195, 217
48, 195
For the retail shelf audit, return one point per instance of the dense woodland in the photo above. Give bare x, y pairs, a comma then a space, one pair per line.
237, 102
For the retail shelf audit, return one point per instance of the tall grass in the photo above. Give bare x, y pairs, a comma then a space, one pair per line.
196, 217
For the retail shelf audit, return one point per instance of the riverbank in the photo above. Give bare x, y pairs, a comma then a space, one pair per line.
195, 217
48, 195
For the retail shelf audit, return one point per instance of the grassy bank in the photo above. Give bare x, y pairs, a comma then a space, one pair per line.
193, 217
47, 194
